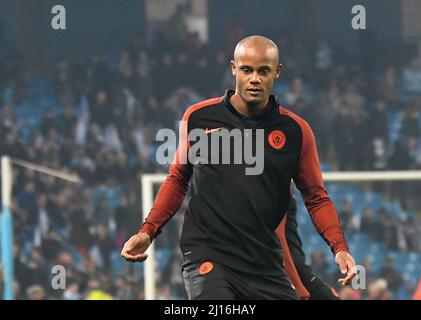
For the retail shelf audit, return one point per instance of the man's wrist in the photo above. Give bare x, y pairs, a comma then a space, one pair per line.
340, 251
149, 229
147, 234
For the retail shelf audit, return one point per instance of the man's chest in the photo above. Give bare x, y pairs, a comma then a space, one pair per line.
270, 145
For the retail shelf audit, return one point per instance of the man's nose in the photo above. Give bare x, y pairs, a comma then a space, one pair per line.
255, 78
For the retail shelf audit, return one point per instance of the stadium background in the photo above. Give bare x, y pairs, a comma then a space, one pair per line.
90, 99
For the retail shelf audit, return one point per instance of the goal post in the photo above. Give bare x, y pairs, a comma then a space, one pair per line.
6, 216
148, 182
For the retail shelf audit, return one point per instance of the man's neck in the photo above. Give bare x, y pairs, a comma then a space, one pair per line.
245, 109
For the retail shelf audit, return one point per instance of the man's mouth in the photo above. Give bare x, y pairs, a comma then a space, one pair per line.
254, 90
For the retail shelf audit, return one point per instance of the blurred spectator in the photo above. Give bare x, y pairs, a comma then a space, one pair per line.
405, 291
410, 123
177, 26
296, 92
346, 214
48, 123
324, 55
35, 292
51, 245
104, 245
390, 274
379, 124
347, 293
411, 77
80, 234
95, 292
411, 233
370, 223
387, 85
72, 291
122, 289
400, 158
387, 229
377, 290
344, 140
100, 110
12, 147
65, 259
126, 220
37, 268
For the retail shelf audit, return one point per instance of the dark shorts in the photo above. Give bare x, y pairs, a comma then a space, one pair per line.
319, 290
208, 280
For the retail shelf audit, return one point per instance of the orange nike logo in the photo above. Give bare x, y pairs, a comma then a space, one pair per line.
207, 131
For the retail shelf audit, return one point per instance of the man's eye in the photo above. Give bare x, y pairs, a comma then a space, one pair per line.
246, 70
264, 71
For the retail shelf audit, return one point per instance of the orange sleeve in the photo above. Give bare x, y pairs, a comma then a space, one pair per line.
309, 181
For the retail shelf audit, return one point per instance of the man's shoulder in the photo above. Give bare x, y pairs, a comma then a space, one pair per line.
296, 118
200, 105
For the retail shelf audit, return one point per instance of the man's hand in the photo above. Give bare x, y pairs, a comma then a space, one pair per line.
347, 266
134, 248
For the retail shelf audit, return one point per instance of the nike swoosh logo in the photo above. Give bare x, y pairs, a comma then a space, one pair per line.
208, 131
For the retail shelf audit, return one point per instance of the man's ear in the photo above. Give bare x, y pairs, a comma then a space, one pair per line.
233, 68
278, 71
